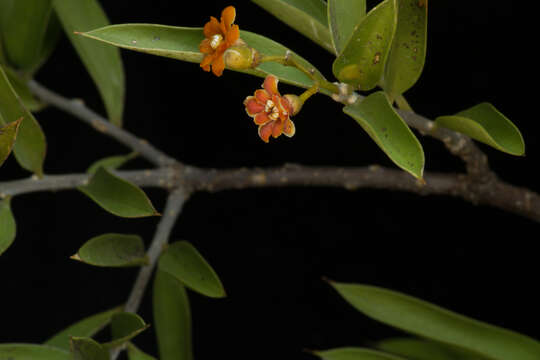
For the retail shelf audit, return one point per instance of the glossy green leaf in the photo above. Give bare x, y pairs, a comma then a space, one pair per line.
113, 250
23, 91
484, 123
30, 146
343, 16
362, 61
172, 318
50, 40
134, 353
308, 17
24, 30
430, 321
102, 62
408, 52
419, 349
182, 43
379, 119
84, 348
8, 227
32, 352
351, 353
8, 134
186, 264
86, 327
111, 162
118, 196
124, 327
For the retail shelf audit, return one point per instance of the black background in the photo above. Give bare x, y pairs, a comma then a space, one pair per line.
271, 247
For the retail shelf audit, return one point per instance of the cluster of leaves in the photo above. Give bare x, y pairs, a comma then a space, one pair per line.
384, 47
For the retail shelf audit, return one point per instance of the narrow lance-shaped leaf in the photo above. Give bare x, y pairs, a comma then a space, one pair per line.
182, 43
484, 123
102, 62
420, 349
7, 225
50, 40
408, 52
362, 61
379, 119
172, 318
343, 17
186, 264
88, 349
124, 327
111, 162
20, 86
118, 196
8, 134
351, 353
432, 322
23, 31
308, 17
30, 146
32, 352
134, 353
86, 327
113, 250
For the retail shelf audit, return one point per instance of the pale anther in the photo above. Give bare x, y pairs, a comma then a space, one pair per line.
215, 41
269, 105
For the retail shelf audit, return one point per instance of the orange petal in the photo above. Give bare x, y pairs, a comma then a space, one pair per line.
261, 118
205, 63
205, 47
232, 35
262, 96
265, 131
227, 16
253, 107
284, 105
218, 65
270, 84
212, 28
289, 129
277, 129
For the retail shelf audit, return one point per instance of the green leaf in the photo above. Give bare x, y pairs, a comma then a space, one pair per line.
308, 17
32, 352
361, 63
419, 349
408, 52
111, 163
8, 134
484, 123
134, 353
343, 16
102, 62
8, 228
125, 326
21, 88
172, 318
379, 119
350, 353
118, 196
30, 146
114, 250
86, 327
186, 264
24, 30
88, 349
50, 40
182, 43
430, 321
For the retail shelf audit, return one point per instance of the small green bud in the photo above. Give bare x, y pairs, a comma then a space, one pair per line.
295, 102
241, 56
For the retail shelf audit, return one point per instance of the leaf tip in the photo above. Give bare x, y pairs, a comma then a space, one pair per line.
75, 257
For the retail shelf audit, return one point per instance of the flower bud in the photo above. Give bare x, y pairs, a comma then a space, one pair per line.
241, 56
294, 102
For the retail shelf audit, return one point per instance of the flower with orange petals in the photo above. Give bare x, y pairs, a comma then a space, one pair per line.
271, 111
219, 36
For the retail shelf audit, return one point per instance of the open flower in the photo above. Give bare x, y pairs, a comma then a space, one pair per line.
219, 36
270, 110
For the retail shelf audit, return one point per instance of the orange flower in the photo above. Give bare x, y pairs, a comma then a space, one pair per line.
270, 110
219, 37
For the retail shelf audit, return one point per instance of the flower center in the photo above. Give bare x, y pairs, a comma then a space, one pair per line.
215, 41
271, 108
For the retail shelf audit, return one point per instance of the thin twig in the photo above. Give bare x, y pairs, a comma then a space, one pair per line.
80, 111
